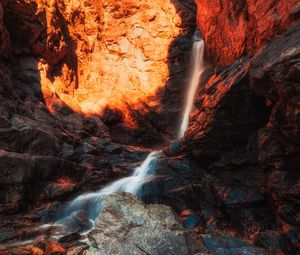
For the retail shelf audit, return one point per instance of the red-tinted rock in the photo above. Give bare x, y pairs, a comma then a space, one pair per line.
227, 111
235, 28
4, 36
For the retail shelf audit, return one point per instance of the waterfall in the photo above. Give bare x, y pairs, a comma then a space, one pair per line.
198, 68
90, 203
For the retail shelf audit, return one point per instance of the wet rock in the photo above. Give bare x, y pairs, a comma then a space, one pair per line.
125, 225
78, 222
226, 245
178, 183
70, 238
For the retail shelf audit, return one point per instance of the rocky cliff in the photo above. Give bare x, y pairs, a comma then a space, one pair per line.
76, 76
236, 28
99, 57
78, 81
83, 81
244, 133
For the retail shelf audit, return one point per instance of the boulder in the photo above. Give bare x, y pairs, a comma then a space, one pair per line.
127, 226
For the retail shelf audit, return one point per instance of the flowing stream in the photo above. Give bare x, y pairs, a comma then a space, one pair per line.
198, 68
90, 203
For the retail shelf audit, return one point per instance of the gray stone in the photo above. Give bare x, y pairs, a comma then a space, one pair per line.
127, 226
226, 245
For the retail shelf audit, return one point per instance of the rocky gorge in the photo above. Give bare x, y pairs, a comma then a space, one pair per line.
89, 88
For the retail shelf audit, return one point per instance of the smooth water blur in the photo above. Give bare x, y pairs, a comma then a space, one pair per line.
197, 68
90, 203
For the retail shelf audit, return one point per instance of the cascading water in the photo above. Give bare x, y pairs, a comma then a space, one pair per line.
198, 68
90, 203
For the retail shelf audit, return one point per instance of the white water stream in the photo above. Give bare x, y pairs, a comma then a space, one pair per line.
198, 68
91, 202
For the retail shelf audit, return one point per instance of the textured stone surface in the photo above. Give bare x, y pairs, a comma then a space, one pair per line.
233, 176
227, 111
244, 136
232, 29
4, 36
121, 60
126, 226
225, 245
64, 53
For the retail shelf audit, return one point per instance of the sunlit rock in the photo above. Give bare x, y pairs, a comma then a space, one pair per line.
120, 50
232, 29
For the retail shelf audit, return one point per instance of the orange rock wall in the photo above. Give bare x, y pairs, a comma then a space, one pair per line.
234, 28
97, 54
117, 50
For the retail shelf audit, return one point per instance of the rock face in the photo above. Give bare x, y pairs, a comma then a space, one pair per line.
61, 64
232, 29
5, 40
79, 79
75, 78
127, 226
118, 60
241, 151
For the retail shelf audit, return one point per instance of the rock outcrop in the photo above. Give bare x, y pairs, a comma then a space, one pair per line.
232, 29
119, 60
240, 154
232, 127
127, 226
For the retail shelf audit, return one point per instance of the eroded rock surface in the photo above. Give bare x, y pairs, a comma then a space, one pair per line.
238, 166
127, 226
57, 55
233, 176
125, 60
232, 29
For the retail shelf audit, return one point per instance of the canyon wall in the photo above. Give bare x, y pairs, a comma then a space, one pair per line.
75, 76
117, 60
232, 29
244, 135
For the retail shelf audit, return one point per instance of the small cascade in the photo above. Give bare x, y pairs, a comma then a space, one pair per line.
90, 203
198, 67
